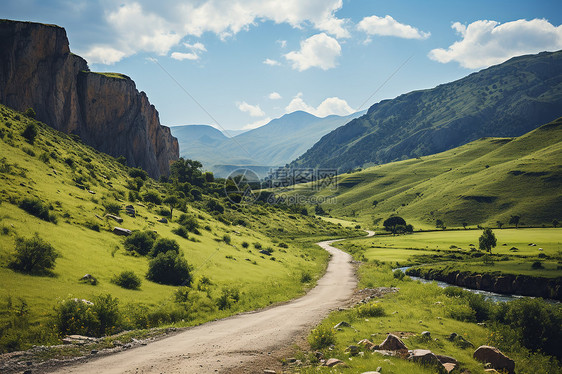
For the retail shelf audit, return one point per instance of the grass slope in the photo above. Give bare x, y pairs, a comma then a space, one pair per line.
75, 181
482, 182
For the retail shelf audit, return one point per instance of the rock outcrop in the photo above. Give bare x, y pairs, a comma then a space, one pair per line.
37, 70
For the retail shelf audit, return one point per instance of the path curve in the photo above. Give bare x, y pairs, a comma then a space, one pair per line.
225, 344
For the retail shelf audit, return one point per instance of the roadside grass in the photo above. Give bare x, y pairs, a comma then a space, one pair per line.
413, 309
77, 183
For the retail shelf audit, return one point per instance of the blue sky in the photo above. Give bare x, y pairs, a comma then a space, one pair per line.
246, 62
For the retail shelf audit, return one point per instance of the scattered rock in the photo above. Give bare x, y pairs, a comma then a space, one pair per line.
371, 372
446, 359
163, 220
93, 352
426, 334
384, 352
367, 344
392, 343
459, 341
495, 357
449, 366
78, 339
114, 217
92, 192
342, 324
121, 231
333, 362
130, 210
268, 371
352, 350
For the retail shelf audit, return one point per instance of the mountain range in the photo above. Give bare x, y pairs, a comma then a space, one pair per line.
272, 145
509, 99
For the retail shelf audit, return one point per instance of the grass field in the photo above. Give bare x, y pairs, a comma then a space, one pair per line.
76, 183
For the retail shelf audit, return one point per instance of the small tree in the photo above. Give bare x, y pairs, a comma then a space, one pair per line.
555, 223
318, 210
375, 203
34, 256
127, 279
30, 133
169, 268
172, 201
440, 224
152, 196
487, 240
514, 220
164, 245
30, 113
391, 224
464, 224
500, 224
140, 242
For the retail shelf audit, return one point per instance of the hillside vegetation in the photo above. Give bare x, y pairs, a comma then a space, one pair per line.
509, 99
54, 188
481, 183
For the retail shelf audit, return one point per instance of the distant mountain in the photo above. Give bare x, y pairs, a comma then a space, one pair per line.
233, 133
509, 99
272, 145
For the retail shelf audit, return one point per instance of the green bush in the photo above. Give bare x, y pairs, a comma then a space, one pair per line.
321, 337
306, 277
370, 310
152, 196
38, 209
398, 274
112, 207
164, 245
34, 256
127, 279
537, 265
226, 238
169, 268
96, 318
140, 242
229, 296
188, 221
245, 245
138, 173
181, 231
30, 133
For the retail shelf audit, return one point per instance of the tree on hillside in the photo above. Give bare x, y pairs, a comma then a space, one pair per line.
464, 224
555, 223
186, 170
375, 203
391, 224
318, 210
30, 133
440, 224
172, 201
500, 224
514, 220
487, 240
34, 256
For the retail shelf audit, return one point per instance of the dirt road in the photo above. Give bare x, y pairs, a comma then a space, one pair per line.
224, 345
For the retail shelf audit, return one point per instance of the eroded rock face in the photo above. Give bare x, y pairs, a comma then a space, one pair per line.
38, 70
495, 357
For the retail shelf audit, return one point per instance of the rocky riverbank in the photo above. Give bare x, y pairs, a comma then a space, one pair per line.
509, 284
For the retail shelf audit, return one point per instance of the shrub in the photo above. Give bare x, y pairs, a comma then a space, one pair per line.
245, 245
398, 274
214, 206
140, 242
181, 231
30, 133
306, 277
228, 297
34, 256
188, 221
106, 309
152, 196
321, 337
38, 209
164, 245
112, 207
97, 318
92, 226
138, 173
30, 113
537, 265
283, 245
257, 245
121, 159
226, 238
127, 279
169, 268
370, 310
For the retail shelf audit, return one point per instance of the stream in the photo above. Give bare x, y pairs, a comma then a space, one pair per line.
495, 297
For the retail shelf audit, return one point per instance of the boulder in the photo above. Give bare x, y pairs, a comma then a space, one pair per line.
353, 350
449, 366
446, 359
331, 362
426, 334
495, 358
341, 324
366, 343
163, 220
393, 343
115, 218
121, 231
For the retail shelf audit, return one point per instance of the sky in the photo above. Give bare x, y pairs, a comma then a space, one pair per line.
237, 64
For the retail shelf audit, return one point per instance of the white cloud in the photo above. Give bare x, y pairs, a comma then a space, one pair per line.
486, 43
252, 110
196, 49
258, 123
274, 96
331, 105
319, 50
282, 43
388, 26
142, 25
271, 62
184, 56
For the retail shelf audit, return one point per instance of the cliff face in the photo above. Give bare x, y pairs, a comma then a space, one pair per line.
37, 70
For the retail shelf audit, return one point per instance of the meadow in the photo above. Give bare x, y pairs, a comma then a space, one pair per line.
240, 257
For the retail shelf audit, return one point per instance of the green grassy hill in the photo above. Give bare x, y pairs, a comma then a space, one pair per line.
482, 182
78, 183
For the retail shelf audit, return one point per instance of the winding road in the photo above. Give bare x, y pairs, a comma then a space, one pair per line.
223, 346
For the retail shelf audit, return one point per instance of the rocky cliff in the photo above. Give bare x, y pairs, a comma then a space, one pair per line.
38, 70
